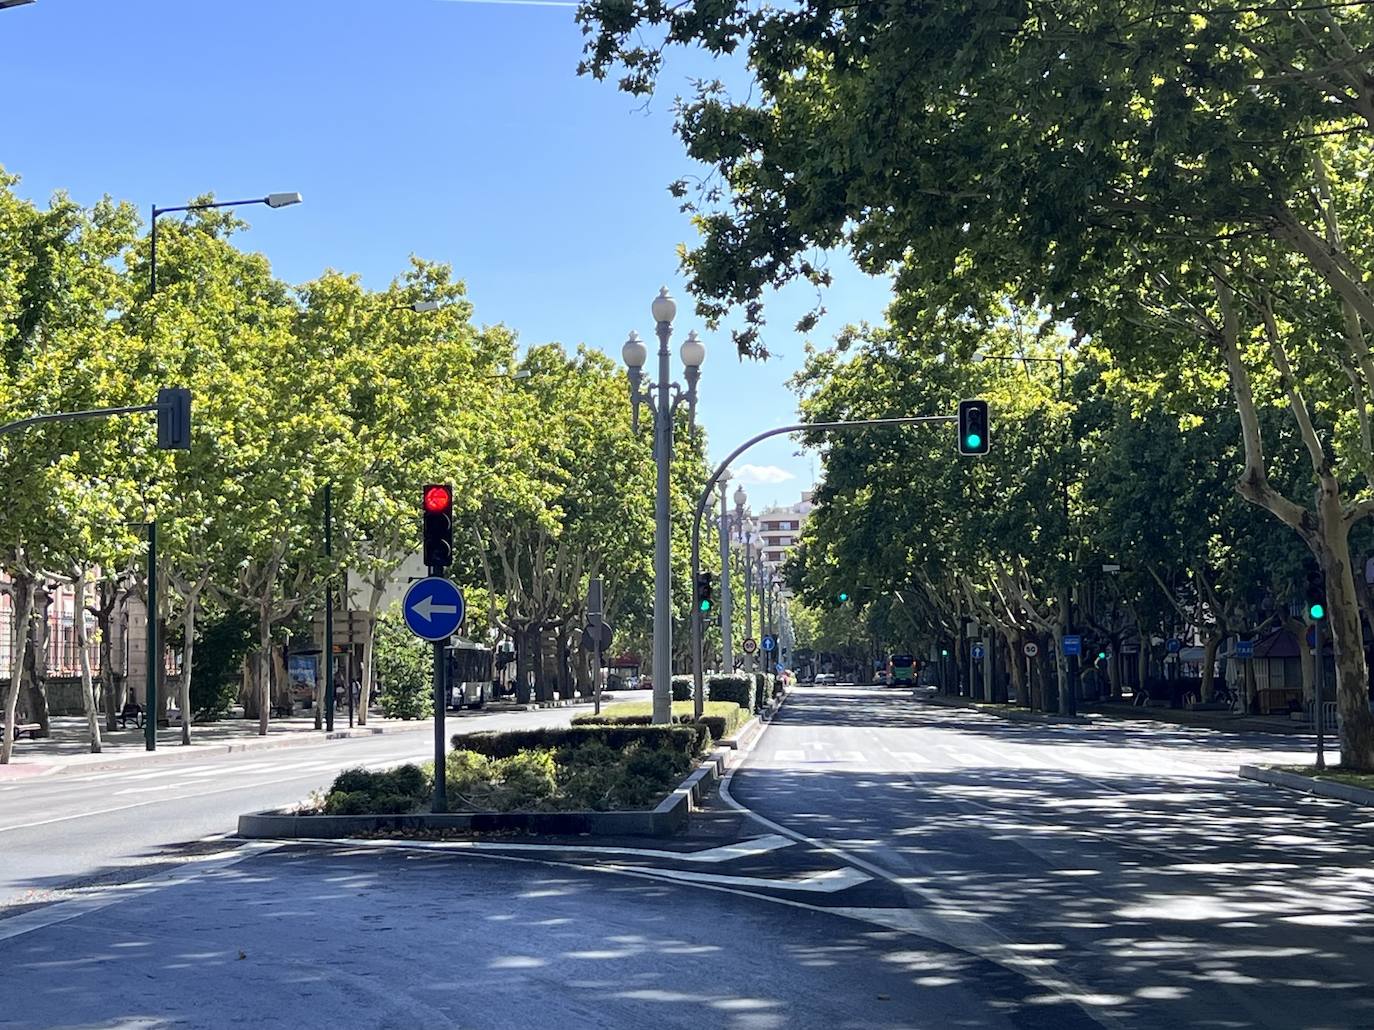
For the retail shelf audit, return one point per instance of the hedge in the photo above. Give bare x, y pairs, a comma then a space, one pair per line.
722, 718
732, 688
691, 740
682, 688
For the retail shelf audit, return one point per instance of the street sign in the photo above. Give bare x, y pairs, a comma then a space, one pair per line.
433, 608
779, 666
770, 643
1245, 649
1073, 644
1030, 649
750, 645
589, 638
978, 651
1173, 645
1130, 647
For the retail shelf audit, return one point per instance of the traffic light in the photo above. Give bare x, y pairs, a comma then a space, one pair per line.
973, 427
704, 602
437, 502
1315, 594
174, 419
842, 596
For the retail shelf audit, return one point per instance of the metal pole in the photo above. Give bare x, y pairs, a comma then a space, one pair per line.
727, 630
663, 603
440, 801
150, 716
1317, 695
749, 599
152, 252
329, 611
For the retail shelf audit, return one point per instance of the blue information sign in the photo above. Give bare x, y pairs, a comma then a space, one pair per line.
770, 643
433, 608
978, 651
1245, 649
1073, 644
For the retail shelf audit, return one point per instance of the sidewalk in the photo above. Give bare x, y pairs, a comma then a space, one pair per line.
1209, 720
68, 748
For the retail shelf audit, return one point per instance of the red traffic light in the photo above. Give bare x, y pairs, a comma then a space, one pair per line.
437, 498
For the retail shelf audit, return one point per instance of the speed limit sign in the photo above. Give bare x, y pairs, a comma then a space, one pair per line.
750, 645
1030, 649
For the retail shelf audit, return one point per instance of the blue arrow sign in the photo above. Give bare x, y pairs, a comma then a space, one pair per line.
433, 608
770, 642
1173, 645
978, 651
779, 666
1073, 644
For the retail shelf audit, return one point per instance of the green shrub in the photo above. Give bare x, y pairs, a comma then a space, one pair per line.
732, 688
682, 688
760, 689
405, 669
690, 740
367, 792
722, 718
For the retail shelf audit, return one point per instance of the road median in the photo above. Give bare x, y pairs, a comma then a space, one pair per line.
1321, 785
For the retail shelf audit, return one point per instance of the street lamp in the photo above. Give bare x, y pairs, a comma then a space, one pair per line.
154, 646
663, 397
13, 3
1068, 702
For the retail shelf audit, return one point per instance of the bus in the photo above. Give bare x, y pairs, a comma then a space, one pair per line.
470, 681
901, 670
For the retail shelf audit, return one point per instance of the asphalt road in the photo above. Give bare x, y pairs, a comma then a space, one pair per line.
899, 865
100, 824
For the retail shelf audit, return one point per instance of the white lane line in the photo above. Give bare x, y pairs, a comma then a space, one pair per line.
103, 897
725, 853
828, 881
912, 757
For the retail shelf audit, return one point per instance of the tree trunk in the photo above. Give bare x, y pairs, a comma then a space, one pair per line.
369, 647
1016, 666
1347, 637
23, 611
84, 656
264, 684
524, 637
188, 629
109, 594
36, 667
1209, 661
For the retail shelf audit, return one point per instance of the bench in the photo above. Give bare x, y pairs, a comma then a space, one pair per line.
281, 711
130, 711
31, 728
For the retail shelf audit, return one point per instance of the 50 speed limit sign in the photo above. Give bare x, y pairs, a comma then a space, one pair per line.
1030, 649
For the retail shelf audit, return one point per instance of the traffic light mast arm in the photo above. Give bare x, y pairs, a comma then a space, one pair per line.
72, 416
705, 500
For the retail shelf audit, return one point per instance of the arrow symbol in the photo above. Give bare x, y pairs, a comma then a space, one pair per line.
427, 609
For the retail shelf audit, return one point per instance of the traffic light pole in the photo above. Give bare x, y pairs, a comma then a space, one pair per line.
151, 706
328, 693
698, 696
440, 799
1317, 694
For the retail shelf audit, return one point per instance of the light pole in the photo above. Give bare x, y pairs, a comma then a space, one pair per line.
1068, 701
154, 647
663, 398
727, 630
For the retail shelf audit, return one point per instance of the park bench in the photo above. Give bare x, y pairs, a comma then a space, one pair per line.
20, 728
131, 711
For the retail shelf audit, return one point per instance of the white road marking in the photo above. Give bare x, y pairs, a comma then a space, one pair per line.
828, 881
725, 853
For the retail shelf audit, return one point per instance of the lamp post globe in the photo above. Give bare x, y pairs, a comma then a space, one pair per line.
740, 497
664, 308
693, 351
634, 352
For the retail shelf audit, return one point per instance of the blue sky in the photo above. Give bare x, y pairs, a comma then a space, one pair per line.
457, 131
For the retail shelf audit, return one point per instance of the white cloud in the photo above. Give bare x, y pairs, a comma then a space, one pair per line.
762, 475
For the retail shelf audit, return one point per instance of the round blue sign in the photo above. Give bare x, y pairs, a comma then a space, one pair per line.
978, 651
1173, 645
433, 608
770, 642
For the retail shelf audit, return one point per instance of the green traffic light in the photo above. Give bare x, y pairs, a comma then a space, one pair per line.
844, 598
705, 605
973, 441
1317, 611
1101, 655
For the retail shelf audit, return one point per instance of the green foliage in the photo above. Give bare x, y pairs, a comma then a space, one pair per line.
682, 688
223, 642
403, 789
721, 717
405, 669
737, 689
690, 741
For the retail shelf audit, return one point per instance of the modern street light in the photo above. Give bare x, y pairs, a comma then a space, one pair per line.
1068, 701
727, 630
13, 3
663, 398
154, 645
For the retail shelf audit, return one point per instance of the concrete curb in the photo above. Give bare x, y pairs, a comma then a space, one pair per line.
1309, 785
178, 753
